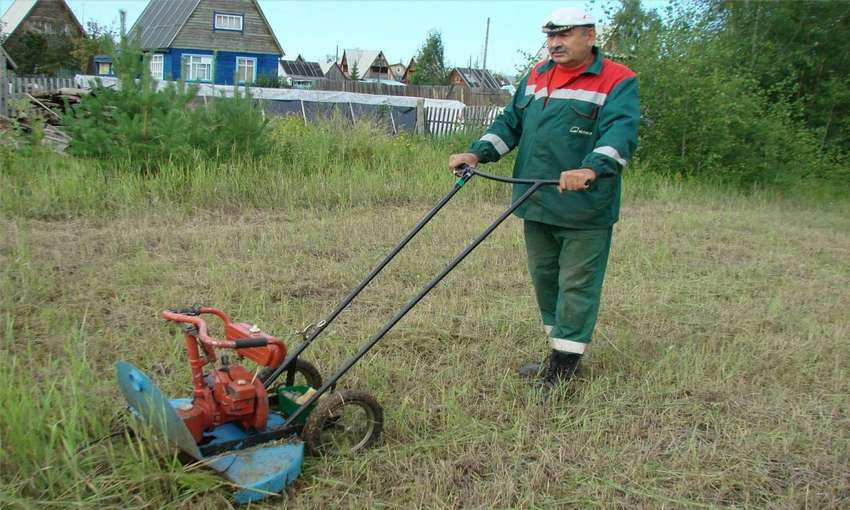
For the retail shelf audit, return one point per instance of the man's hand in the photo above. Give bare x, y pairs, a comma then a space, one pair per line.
468, 158
574, 180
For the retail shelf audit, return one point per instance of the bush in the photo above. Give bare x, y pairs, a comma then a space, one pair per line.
703, 116
231, 127
147, 125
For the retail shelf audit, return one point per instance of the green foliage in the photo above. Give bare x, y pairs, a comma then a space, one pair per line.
430, 62
355, 72
37, 53
147, 127
800, 46
270, 81
528, 59
99, 40
713, 109
231, 127
630, 24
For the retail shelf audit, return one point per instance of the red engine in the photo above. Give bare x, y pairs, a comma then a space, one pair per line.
229, 393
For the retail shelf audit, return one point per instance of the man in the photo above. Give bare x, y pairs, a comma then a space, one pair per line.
574, 118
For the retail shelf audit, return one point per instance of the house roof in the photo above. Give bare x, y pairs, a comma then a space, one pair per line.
329, 66
363, 58
18, 12
300, 67
409, 69
478, 77
162, 20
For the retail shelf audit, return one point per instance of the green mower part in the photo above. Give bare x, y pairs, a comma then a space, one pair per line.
287, 401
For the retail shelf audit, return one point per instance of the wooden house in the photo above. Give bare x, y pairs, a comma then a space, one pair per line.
333, 71
397, 71
47, 17
301, 73
409, 71
473, 78
369, 64
40, 35
208, 41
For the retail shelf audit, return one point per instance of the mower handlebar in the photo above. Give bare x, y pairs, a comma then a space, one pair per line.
465, 171
203, 334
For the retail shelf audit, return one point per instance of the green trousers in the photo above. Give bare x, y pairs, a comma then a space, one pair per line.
567, 267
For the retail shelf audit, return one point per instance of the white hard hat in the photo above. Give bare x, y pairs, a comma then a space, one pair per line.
567, 18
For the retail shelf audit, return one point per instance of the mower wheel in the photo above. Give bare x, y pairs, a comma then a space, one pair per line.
310, 375
343, 421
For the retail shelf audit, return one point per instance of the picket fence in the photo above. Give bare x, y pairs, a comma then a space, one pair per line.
466, 95
446, 121
12, 87
20, 85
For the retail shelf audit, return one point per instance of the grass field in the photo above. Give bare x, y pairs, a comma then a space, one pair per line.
719, 374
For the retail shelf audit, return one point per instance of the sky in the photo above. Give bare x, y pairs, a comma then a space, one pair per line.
317, 28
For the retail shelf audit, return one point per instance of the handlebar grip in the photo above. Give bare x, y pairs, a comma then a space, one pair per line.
244, 343
194, 310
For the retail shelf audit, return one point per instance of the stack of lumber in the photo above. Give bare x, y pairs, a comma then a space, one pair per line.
48, 106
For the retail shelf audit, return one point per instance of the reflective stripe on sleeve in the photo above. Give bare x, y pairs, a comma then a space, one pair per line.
529, 90
547, 328
564, 345
580, 95
611, 152
497, 142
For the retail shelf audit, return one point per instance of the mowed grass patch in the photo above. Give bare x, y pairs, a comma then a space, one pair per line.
718, 377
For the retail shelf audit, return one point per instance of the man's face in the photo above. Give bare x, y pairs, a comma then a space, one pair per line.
573, 47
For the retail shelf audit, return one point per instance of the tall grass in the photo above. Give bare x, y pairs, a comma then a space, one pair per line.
321, 165
718, 376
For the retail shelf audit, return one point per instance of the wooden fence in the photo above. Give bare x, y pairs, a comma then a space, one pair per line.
12, 86
21, 85
466, 95
445, 121
3, 84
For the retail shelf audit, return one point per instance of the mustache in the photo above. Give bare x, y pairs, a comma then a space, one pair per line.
557, 49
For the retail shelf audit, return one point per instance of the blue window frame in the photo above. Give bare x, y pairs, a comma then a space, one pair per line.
228, 21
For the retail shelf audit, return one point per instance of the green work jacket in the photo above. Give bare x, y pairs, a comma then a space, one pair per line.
589, 122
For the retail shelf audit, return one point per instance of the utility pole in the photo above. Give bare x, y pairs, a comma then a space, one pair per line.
486, 41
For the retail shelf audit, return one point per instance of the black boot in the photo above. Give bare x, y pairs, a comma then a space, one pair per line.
561, 368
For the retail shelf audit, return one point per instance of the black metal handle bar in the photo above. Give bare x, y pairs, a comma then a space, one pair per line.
464, 175
322, 325
463, 169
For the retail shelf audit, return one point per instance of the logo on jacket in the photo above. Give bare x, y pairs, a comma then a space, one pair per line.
575, 130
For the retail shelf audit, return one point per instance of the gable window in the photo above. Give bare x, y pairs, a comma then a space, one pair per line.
228, 22
197, 67
246, 69
157, 67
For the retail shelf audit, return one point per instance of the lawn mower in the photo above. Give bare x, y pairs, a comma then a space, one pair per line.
249, 426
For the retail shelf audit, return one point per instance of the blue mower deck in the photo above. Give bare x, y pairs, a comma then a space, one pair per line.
259, 471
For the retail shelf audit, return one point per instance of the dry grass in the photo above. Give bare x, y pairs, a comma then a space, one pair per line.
720, 373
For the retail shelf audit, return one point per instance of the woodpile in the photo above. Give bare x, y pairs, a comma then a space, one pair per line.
45, 108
